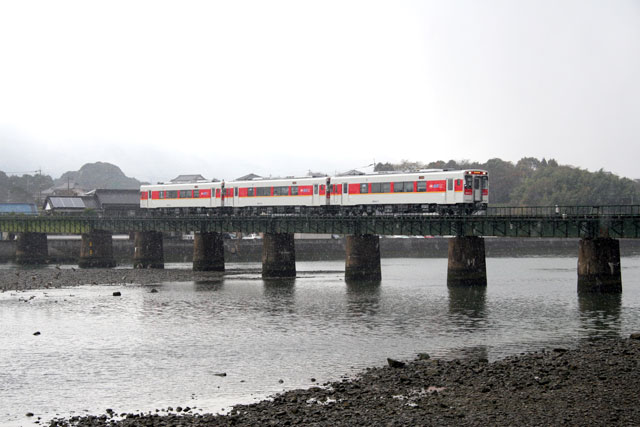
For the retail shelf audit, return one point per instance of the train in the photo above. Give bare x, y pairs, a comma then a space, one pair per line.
421, 192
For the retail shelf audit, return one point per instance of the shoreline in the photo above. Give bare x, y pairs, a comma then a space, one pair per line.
592, 384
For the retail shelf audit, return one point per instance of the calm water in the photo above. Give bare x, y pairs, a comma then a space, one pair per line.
146, 350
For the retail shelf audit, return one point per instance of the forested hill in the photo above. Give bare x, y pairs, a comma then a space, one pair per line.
533, 182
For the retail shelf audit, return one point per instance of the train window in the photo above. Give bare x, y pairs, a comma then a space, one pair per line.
376, 187
398, 187
408, 187
280, 191
345, 188
149, 193
450, 184
315, 188
160, 194
385, 187
422, 186
364, 188
467, 181
263, 191
184, 194
476, 183
172, 194
294, 190
251, 192
485, 182
196, 194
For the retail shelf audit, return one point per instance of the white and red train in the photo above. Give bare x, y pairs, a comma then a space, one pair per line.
440, 191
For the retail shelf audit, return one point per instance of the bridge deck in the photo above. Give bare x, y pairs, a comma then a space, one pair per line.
547, 221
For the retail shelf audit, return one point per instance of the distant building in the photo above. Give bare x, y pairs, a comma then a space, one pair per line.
68, 204
109, 199
18, 209
185, 179
67, 189
248, 177
100, 200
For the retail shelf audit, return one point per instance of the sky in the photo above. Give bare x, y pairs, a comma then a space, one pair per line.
224, 88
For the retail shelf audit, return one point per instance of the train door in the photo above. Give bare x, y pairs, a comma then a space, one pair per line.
477, 188
450, 194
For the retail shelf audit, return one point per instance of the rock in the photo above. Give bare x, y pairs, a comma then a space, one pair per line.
29, 414
280, 381
154, 291
117, 294
396, 363
423, 356
220, 374
36, 333
635, 336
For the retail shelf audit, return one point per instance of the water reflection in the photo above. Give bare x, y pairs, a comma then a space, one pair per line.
363, 297
600, 313
467, 305
213, 285
280, 295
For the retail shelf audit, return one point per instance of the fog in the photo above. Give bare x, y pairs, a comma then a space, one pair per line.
279, 88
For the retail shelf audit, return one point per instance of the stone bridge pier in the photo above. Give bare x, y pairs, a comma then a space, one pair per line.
278, 255
31, 248
208, 252
363, 258
467, 263
599, 266
96, 250
148, 251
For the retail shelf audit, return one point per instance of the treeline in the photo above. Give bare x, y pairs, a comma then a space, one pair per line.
23, 189
533, 182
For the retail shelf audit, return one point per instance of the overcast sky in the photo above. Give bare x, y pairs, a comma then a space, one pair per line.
280, 87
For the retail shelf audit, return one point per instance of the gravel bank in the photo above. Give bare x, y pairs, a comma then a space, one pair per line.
594, 385
26, 279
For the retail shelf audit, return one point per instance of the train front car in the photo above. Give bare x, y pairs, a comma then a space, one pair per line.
476, 191
432, 191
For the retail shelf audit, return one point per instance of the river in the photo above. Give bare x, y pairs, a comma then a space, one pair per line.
237, 338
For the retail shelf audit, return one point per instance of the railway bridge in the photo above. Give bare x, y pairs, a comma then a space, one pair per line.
598, 227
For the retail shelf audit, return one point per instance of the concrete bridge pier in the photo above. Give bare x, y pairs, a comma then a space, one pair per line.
278, 255
208, 252
599, 266
31, 248
96, 250
148, 251
467, 263
363, 258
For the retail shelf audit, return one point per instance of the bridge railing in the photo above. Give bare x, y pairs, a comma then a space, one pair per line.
559, 210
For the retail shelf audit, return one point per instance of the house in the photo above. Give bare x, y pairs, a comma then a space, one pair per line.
185, 179
111, 200
100, 200
18, 209
68, 204
249, 177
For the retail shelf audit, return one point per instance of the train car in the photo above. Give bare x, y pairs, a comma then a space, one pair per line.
189, 196
438, 191
287, 195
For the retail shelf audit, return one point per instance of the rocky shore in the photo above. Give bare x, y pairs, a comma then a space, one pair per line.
594, 384
19, 279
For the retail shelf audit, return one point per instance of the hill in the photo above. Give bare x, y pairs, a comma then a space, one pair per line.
99, 175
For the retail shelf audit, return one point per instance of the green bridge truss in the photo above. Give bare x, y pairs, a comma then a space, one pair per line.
621, 221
